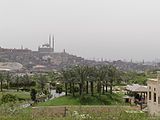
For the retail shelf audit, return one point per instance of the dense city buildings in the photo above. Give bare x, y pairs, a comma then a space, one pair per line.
44, 56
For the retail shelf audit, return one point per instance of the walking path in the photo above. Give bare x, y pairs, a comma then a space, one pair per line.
56, 95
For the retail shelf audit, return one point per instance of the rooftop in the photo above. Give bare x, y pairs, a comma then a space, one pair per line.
153, 80
136, 88
10, 66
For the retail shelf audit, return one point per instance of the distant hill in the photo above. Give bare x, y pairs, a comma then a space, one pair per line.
30, 58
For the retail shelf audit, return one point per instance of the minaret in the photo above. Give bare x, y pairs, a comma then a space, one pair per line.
53, 43
21, 47
50, 41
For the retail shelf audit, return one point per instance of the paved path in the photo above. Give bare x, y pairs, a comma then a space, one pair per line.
56, 95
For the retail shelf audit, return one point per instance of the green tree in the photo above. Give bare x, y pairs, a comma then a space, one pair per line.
17, 80
8, 79
101, 76
8, 98
54, 77
1, 81
42, 80
112, 74
91, 78
33, 94
81, 75
73, 80
65, 76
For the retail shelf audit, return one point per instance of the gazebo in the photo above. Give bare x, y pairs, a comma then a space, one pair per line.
139, 92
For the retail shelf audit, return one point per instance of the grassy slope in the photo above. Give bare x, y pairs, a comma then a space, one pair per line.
20, 94
108, 99
61, 101
96, 112
106, 113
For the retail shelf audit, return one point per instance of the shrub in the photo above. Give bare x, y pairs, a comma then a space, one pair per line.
8, 98
53, 84
59, 89
33, 94
46, 92
87, 100
76, 89
104, 100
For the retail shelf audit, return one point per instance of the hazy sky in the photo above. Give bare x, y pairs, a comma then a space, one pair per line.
112, 29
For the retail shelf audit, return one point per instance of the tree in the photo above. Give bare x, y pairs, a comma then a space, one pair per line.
59, 88
26, 81
17, 79
112, 71
1, 81
81, 73
65, 73
8, 79
42, 81
33, 94
54, 77
73, 80
101, 76
91, 78
75, 75
8, 98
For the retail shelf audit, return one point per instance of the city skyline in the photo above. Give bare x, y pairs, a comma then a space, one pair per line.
90, 29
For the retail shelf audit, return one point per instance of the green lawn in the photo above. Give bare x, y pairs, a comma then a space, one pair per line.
61, 101
20, 94
114, 99
107, 107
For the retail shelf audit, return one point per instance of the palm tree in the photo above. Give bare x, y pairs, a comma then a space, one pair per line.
112, 71
1, 81
91, 78
106, 83
87, 86
26, 80
70, 77
66, 75
81, 73
54, 76
73, 81
101, 76
17, 80
8, 79
42, 81
120, 77
104, 78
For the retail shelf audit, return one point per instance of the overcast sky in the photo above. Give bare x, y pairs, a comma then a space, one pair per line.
111, 29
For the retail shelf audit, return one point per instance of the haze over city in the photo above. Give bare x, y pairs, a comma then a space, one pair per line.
79, 59
119, 29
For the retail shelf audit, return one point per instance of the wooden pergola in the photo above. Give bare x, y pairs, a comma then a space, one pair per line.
138, 91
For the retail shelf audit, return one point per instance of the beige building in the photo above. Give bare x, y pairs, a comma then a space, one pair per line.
154, 96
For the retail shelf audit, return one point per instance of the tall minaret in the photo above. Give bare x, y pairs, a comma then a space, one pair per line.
50, 41
53, 43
